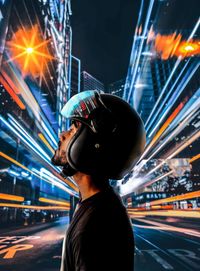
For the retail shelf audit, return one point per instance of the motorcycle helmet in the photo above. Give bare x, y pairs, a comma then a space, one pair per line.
110, 139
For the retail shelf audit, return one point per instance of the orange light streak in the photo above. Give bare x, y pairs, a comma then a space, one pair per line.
175, 213
166, 124
22, 166
41, 136
11, 197
171, 45
194, 158
188, 48
10, 82
33, 207
12, 93
64, 203
14, 161
189, 195
156, 207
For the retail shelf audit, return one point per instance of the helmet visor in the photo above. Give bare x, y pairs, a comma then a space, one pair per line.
80, 106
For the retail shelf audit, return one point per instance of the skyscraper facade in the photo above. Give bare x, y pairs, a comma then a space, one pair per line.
75, 82
116, 88
89, 82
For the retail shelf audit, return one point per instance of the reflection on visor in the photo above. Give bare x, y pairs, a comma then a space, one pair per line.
81, 105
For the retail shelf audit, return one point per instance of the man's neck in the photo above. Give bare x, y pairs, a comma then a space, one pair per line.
85, 185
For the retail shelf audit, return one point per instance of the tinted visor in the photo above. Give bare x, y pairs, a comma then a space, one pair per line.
81, 105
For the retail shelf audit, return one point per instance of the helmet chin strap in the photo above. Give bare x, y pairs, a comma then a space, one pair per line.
68, 171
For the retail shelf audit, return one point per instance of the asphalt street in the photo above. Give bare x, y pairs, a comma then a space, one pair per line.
166, 244
161, 244
33, 248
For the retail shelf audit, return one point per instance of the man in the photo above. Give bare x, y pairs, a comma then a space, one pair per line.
104, 142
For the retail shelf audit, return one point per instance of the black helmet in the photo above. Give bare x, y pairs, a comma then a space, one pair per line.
111, 136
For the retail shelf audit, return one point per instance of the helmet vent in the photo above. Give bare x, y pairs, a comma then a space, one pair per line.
97, 145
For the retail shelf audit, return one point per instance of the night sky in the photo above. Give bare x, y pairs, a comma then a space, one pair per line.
102, 36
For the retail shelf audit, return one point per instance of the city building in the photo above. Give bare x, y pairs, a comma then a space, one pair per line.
89, 82
117, 88
75, 84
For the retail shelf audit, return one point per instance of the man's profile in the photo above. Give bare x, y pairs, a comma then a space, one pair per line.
105, 140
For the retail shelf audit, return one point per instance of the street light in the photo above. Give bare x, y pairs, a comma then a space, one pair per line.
29, 51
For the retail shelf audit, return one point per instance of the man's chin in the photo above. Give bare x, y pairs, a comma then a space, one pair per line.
57, 162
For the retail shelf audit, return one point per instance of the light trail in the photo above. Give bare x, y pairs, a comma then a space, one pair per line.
35, 144
37, 174
133, 53
144, 34
175, 213
31, 103
157, 179
41, 136
162, 104
189, 114
29, 139
181, 88
10, 82
179, 149
11, 197
136, 182
161, 226
34, 207
5, 156
142, 181
186, 196
58, 202
162, 129
171, 74
194, 158
189, 141
39, 152
168, 46
12, 94
58, 182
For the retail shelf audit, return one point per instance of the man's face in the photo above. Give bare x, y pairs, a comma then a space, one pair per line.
60, 157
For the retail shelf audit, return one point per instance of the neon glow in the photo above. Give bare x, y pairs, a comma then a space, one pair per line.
29, 51
37, 174
33, 207
163, 128
190, 195
11, 197
12, 93
175, 213
194, 158
171, 45
63, 203
166, 227
41, 136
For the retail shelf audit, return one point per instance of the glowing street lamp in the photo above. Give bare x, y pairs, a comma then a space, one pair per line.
29, 51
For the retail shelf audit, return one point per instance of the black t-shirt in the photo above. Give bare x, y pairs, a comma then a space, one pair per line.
100, 236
